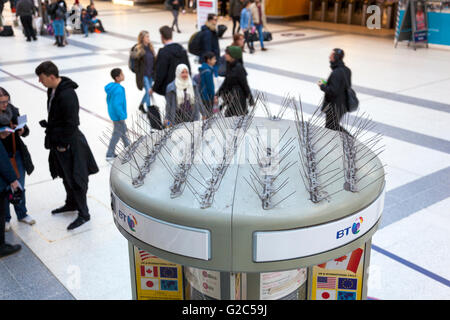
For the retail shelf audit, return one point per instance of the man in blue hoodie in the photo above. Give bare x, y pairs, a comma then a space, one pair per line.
117, 110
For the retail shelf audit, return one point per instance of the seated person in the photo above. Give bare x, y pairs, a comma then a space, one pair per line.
93, 14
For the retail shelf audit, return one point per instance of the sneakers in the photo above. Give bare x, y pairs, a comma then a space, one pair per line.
7, 226
64, 208
78, 222
7, 249
111, 158
28, 220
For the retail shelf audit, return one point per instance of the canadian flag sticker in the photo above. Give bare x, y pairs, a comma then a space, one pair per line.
149, 271
325, 295
149, 284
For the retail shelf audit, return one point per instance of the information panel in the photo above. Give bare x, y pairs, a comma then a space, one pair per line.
339, 279
204, 7
157, 279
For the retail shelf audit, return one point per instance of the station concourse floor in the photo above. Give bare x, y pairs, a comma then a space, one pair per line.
405, 92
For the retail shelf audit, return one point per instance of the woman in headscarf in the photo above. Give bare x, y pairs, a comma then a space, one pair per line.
144, 57
17, 152
181, 104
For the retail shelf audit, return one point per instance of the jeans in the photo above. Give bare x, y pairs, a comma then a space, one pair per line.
148, 82
119, 132
85, 28
20, 208
259, 27
58, 26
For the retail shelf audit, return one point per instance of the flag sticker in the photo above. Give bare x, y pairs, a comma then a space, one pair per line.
346, 295
149, 271
325, 295
149, 284
326, 282
167, 272
347, 283
169, 285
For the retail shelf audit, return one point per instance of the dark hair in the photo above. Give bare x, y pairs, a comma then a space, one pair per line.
48, 68
115, 73
246, 3
211, 16
4, 93
166, 32
338, 54
209, 55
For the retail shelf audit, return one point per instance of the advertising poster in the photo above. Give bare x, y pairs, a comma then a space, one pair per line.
339, 279
204, 7
157, 279
277, 285
205, 282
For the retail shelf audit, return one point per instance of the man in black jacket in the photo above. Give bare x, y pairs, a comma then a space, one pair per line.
8, 178
70, 157
25, 10
210, 39
335, 101
167, 60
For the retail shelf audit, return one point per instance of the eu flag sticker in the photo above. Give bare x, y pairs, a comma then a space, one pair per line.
168, 272
347, 283
345, 295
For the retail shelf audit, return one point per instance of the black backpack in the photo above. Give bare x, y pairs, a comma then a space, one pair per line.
195, 43
131, 61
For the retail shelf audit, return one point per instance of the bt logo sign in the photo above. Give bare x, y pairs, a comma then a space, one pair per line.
355, 229
129, 219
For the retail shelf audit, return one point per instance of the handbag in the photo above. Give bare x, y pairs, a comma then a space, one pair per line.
267, 36
352, 99
154, 116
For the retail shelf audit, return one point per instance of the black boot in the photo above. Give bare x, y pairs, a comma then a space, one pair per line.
64, 208
7, 249
78, 222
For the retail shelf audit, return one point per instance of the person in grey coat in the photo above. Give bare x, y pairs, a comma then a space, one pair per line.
25, 10
181, 103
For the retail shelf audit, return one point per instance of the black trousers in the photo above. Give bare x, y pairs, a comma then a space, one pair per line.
27, 23
75, 194
3, 207
249, 40
333, 119
236, 20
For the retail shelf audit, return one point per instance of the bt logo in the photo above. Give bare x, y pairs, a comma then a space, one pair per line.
355, 229
130, 220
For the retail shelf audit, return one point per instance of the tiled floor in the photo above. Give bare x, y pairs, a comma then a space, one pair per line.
404, 91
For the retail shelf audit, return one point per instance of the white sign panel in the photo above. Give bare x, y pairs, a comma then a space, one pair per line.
204, 7
298, 243
178, 239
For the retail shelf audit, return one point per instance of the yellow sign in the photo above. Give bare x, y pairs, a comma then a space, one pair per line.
157, 279
339, 279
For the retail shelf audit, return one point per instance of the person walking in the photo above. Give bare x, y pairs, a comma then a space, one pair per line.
210, 39
235, 13
85, 20
17, 153
8, 180
206, 89
117, 110
180, 96
235, 89
57, 11
70, 157
247, 25
223, 8
259, 19
144, 57
335, 100
176, 5
167, 60
25, 10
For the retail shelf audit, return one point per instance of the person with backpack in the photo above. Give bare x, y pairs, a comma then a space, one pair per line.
205, 83
247, 25
235, 90
143, 64
167, 60
25, 10
209, 37
57, 11
335, 100
181, 103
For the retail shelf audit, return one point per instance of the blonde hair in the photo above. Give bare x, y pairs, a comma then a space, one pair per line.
140, 44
